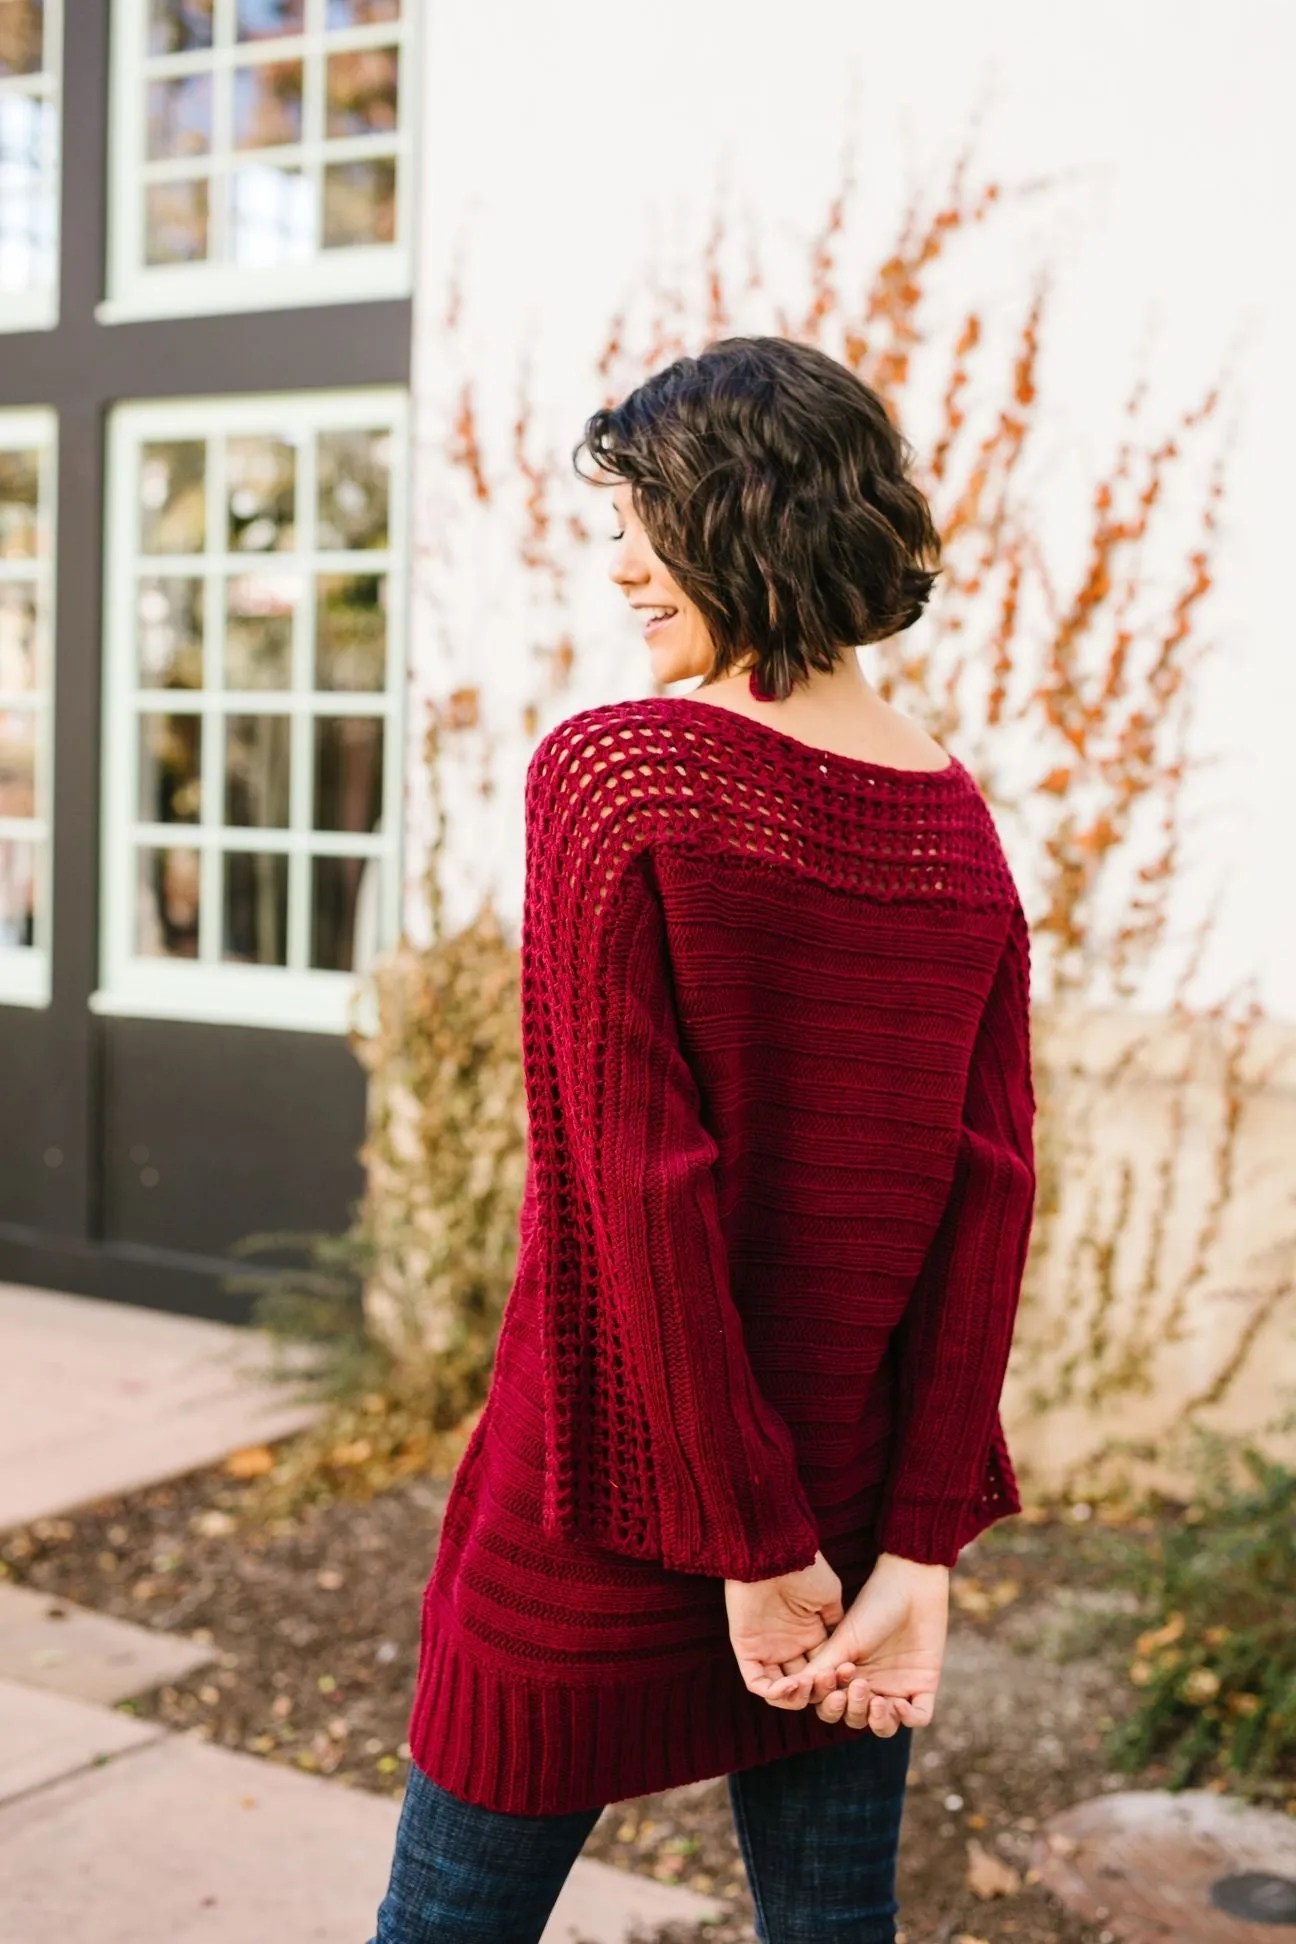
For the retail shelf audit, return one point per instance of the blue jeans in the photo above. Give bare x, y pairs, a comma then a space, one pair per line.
818, 1833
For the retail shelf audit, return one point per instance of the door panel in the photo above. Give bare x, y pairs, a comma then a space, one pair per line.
212, 1133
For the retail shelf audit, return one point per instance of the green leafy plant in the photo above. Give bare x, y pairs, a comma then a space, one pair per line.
1215, 1672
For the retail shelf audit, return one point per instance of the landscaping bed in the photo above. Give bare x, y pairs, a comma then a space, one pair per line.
315, 1621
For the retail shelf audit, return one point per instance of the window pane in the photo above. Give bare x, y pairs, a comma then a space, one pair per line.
273, 215
179, 115
261, 474
176, 26
170, 632
170, 782
17, 763
256, 909
172, 509
259, 630
267, 104
18, 658
362, 91
175, 221
17, 893
354, 486
344, 914
361, 13
351, 631
19, 487
348, 772
166, 911
262, 19
21, 24
28, 191
256, 771
359, 203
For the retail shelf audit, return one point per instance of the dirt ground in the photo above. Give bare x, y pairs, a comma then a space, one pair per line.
315, 1619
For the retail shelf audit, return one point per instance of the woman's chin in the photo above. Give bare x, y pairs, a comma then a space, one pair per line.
673, 664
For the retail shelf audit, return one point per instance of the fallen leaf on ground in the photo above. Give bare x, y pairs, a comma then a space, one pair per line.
250, 1461
988, 1876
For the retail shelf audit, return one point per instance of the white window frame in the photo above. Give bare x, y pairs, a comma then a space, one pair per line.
38, 309
139, 290
205, 988
25, 969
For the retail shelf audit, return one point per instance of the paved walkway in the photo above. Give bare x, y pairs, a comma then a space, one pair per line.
112, 1830
99, 1397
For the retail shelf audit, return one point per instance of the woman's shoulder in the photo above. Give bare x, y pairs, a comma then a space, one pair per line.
575, 742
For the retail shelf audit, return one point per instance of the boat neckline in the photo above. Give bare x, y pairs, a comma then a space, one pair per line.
948, 770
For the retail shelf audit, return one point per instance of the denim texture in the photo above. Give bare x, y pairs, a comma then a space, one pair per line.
818, 1831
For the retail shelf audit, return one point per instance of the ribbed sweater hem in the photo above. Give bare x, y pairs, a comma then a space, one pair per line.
554, 1747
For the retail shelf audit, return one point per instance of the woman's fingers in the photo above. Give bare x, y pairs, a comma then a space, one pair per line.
815, 1680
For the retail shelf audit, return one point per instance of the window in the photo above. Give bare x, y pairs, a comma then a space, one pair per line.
30, 66
27, 456
261, 154
254, 673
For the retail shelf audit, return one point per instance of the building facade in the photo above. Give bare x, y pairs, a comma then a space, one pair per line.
206, 278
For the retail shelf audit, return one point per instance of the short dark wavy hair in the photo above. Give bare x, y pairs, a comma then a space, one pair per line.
775, 488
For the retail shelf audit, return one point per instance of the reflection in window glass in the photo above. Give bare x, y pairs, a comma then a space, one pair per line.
29, 160
168, 888
342, 892
256, 771
26, 670
361, 13
354, 483
22, 36
259, 630
263, 19
179, 115
17, 763
172, 507
19, 494
18, 646
261, 476
255, 930
170, 768
267, 104
170, 632
175, 221
359, 203
361, 91
17, 894
351, 631
179, 26
272, 215
348, 772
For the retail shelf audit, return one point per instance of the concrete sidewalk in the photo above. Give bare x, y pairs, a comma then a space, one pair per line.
112, 1830
100, 1397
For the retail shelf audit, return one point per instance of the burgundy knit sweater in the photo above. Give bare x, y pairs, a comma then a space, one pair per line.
779, 1191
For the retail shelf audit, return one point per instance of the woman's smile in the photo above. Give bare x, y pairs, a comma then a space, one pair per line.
656, 619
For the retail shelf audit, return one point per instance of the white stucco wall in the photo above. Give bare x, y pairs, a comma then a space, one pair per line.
564, 145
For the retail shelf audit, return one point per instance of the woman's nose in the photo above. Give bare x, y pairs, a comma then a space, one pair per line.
624, 570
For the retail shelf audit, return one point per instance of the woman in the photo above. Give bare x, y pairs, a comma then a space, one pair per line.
744, 1411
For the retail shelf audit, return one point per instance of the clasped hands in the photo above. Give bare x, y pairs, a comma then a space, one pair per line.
877, 1666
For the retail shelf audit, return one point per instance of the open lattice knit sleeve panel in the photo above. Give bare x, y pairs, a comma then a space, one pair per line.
773, 1005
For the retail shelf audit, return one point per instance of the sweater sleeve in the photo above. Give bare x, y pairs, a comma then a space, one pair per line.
658, 1442
950, 1475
